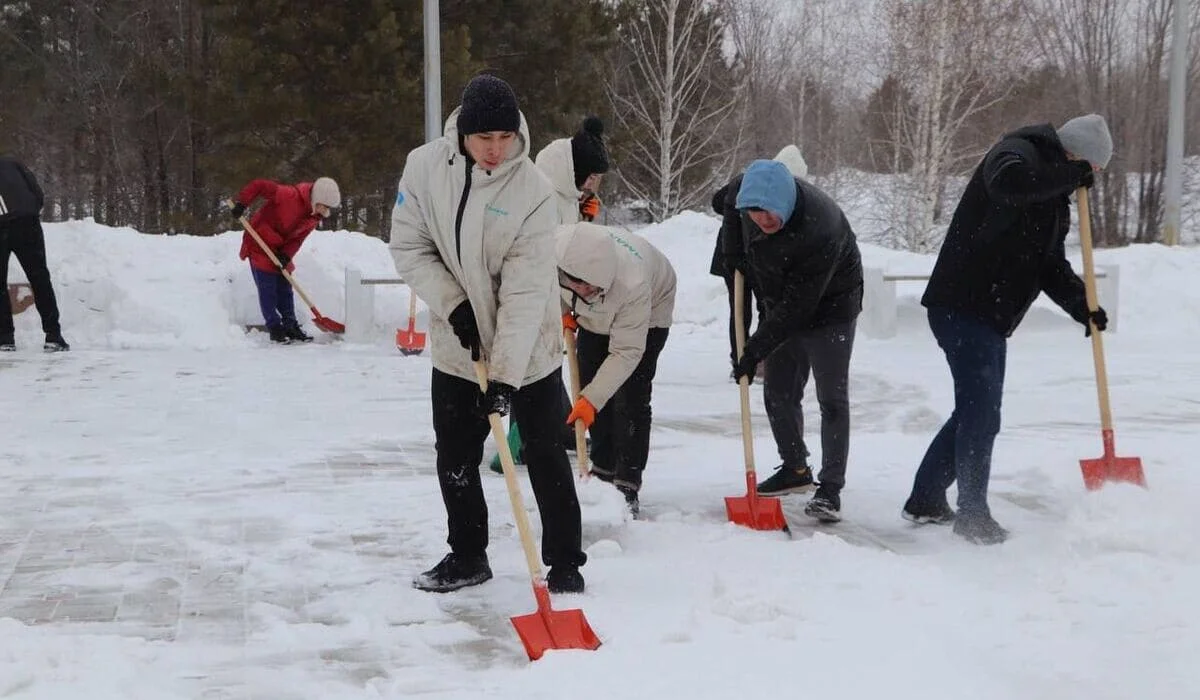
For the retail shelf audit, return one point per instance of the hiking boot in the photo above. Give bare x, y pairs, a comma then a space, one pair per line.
921, 514
980, 529
293, 331
631, 500
55, 343
564, 579
454, 572
278, 335
826, 505
787, 480
7, 344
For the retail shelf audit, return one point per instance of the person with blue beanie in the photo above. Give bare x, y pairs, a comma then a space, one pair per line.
795, 243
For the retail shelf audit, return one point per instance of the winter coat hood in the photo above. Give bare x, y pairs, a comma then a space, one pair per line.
556, 162
586, 251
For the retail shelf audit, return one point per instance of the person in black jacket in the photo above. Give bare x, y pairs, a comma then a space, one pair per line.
1004, 247
797, 246
21, 201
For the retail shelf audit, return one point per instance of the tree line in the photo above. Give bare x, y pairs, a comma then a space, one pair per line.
147, 112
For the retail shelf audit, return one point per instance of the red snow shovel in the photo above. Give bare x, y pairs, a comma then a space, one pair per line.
1108, 467
751, 510
326, 324
545, 629
411, 342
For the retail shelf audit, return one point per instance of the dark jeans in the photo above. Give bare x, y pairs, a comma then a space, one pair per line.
460, 431
274, 298
826, 353
24, 238
621, 432
962, 449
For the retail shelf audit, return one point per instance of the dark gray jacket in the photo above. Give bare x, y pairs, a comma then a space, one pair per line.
20, 194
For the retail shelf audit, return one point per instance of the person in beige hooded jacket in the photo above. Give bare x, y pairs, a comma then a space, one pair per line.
618, 293
574, 165
472, 233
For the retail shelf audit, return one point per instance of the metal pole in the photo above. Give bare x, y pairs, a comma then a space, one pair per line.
433, 72
1174, 187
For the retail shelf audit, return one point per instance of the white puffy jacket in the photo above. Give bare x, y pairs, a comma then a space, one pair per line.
638, 284
462, 232
557, 163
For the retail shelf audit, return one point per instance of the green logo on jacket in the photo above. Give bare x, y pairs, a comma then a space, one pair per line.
625, 244
496, 210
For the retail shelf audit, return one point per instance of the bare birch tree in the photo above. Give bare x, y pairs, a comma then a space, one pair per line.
673, 94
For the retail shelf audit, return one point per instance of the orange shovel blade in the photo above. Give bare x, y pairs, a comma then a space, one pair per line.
410, 342
327, 324
1111, 468
553, 629
754, 511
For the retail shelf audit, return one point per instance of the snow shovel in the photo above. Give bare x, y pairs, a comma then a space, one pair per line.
753, 511
411, 342
1108, 467
326, 324
545, 629
580, 437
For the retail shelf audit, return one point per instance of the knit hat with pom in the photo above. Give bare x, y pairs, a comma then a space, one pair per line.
588, 151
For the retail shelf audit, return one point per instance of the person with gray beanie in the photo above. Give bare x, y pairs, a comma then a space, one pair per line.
1005, 245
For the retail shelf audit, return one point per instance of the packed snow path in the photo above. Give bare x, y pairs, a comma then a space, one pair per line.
243, 523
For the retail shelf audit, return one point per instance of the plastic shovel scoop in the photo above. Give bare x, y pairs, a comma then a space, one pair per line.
411, 341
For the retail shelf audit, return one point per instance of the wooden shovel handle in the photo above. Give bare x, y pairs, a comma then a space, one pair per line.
580, 431
739, 333
510, 480
1093, 303
271, 254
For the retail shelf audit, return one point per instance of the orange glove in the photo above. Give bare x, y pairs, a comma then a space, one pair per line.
569, 322
582, 410
589, 207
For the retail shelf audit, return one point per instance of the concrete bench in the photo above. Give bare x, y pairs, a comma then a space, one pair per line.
360, 303
878, 318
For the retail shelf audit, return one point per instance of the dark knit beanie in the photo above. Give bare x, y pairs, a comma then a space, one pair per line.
588, 151
488, 104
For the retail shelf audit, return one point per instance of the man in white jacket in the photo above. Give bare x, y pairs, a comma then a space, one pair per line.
472, 232
618, 293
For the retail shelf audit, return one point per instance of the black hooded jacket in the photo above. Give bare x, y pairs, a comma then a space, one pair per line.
1005, 242
808, 274
20, 195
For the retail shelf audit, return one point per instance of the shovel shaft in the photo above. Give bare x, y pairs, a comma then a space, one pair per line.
510, 480
1089, 285
739, 330
580, 430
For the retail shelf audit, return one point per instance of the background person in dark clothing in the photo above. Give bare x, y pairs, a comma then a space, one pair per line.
21, 201
796, 244
1004, 246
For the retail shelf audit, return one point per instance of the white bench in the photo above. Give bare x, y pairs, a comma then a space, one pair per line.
878, 318
360, 303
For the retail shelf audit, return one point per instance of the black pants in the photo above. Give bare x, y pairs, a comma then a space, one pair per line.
826, 353
460, 430
621, 433
23, 237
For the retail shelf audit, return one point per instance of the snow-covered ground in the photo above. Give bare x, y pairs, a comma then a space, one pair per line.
190, 512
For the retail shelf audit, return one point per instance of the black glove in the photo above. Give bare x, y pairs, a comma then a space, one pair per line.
498, 399
237, 210
745, 368
1097, 317
1087, 177
283, 260
462, 320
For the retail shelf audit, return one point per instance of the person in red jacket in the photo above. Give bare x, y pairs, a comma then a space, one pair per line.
291, 213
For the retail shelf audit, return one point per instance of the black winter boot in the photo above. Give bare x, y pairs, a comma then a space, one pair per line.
7, 344
454, 572
922, 514
55, 343
293, 331
979, 529
787, 480
826, 505
564, 579
279, 335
